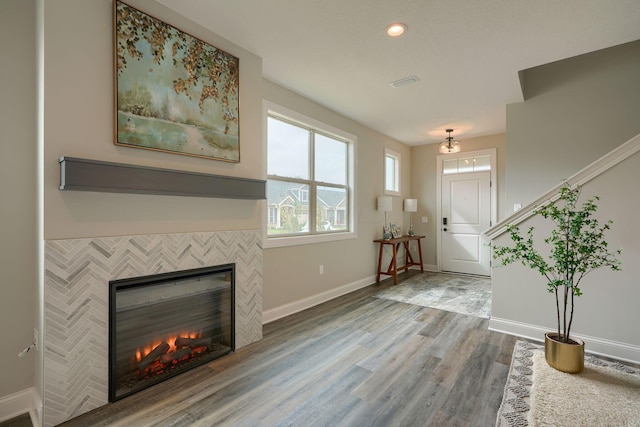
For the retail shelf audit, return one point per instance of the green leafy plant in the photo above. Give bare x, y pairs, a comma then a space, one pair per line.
576, 247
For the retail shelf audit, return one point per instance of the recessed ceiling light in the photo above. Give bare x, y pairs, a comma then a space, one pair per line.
396, 30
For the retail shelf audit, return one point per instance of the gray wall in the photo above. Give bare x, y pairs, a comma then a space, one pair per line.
291, 274
78, 122
576, 110
607, 312
18, 223
424, 186
78, 111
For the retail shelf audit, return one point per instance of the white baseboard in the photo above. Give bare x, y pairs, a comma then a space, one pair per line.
22, 402
430, 267
36, 412
594, 345
426, 267
303, 304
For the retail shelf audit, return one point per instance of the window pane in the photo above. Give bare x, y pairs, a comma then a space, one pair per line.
273, 217
331, 204
465, 164
308, 179
391, 173
288, 150
450, 166
331, 160
482, 163
288, 204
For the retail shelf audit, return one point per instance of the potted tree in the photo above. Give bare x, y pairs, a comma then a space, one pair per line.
575, 247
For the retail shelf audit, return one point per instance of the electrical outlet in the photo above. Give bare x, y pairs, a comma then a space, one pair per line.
35, 339
425, 219
321, 269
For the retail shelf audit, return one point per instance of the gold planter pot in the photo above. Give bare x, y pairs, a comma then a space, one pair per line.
565, 357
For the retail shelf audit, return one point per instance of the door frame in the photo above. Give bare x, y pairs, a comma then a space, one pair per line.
493, 192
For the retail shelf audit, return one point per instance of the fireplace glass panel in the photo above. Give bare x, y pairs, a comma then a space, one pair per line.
165, 324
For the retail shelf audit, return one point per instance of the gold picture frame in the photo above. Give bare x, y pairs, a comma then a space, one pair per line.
173, 92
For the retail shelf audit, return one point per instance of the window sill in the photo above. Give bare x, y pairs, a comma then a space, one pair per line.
279, 242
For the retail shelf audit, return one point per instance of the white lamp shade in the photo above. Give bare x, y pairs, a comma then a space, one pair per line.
384, 203
411, 205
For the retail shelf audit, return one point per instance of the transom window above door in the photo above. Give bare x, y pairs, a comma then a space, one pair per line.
467, 164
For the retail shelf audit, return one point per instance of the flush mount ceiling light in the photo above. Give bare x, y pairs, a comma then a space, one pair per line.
449, 146
396, 30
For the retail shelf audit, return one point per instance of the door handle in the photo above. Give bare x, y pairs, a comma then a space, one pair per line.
444, 229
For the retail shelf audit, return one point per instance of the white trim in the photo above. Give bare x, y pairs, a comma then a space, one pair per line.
398, 172
303, 304
492, 152
583, 176
430, 267
301, 119
279, 242
276, 242
426, 267
36, 408
21, 402
593, 345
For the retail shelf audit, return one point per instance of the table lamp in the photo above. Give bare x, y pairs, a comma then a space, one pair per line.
384, 204
410, 205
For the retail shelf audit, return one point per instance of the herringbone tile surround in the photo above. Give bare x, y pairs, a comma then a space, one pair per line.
76, 318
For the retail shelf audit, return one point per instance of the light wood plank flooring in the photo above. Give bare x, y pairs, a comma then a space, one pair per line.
353, 361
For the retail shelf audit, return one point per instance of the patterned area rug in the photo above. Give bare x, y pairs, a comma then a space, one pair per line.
450, 292
604, 394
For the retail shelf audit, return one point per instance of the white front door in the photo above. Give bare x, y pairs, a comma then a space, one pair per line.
466, 213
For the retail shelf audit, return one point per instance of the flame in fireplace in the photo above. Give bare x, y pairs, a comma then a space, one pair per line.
169, 339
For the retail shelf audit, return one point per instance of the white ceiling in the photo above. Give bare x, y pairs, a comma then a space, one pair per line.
465, 53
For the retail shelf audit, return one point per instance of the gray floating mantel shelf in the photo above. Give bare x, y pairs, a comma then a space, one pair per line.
93, 175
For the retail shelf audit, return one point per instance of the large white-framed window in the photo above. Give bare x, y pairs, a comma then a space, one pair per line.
391, 172
310, 179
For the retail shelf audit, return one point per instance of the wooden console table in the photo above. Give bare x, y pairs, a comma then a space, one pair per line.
395, 243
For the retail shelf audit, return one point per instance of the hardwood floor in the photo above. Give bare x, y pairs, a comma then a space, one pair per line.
353, 361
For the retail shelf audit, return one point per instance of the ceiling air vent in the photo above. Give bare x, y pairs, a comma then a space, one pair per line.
404, 82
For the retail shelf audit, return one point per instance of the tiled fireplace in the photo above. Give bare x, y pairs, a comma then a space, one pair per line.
76, 309
162, 325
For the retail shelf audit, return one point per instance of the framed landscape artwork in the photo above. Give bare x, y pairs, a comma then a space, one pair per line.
174, 92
